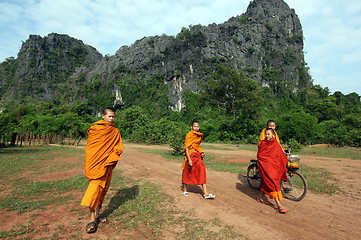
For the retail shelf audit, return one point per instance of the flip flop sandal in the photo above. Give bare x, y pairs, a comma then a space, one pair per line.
262, 201
186, 194
282, 210
102, 220
91, 227
210, 196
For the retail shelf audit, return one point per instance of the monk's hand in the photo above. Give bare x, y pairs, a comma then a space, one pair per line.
190, 163
202, 155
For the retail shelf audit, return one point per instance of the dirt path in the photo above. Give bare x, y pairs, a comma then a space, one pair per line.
318, 216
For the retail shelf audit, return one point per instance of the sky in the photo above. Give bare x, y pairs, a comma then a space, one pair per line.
332, 29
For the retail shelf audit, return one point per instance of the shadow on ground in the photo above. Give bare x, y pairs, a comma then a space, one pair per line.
120, 198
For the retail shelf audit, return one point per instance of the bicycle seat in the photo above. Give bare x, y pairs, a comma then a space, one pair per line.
253, 160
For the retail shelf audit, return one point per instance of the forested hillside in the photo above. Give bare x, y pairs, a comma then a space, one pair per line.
231, 77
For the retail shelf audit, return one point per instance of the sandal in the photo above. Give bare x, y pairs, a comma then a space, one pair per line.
209, 196
102, 220
186, 194
264, 201
282, 210
91, 227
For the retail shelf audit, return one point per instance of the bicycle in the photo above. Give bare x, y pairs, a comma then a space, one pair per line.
294, 189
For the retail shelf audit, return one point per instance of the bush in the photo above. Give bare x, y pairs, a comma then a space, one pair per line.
294, 145
299, 125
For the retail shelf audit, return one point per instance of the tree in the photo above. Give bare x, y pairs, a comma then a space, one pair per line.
232, 89
324, 109
298, 125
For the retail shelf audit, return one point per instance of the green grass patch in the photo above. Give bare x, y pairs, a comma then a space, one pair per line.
14, 160
231, 167
33, 195
319, 180
20, 165
17, 231
164, 153
332, 151
248, 147
217, 147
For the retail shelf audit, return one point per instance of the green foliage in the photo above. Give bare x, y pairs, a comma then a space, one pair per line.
189, 33
252, 4
294, 145
290, 55
299, 125
45, 118
304, 77
236, 40
244, 19
230, 107
229, 88
269, 26
272, 77
251, 50
295, 38
135, 124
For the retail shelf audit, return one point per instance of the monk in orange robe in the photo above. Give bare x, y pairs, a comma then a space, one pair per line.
270, 124
102, 153
194, 171
272, 168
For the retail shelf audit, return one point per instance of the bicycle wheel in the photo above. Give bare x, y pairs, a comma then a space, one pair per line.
253, 177
295, 188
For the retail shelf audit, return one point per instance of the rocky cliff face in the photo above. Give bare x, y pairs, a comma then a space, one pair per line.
268, 37
265, 40
43, 64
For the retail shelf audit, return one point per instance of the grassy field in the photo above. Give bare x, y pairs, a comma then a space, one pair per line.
332, 151
138, 208
324, 151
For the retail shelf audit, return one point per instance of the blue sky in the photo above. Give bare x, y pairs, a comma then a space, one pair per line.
332, 29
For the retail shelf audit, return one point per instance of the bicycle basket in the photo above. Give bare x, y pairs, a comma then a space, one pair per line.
293, 161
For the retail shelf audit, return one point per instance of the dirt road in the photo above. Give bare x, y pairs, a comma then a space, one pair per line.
318, 216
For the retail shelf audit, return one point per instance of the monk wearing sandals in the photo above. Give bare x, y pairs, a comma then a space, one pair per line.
102, 153
272, 168
194, 171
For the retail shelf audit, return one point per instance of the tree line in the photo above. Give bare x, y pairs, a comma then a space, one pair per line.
230, 108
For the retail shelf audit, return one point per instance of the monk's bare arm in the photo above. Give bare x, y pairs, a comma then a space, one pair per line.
190, 163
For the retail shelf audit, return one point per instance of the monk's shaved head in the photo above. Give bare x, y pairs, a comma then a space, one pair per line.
107, 110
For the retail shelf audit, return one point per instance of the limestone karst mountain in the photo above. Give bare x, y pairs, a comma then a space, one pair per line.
266, 43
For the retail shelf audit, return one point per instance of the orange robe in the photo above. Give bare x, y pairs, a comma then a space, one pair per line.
102, 153
262, 137
196, 174
272, 167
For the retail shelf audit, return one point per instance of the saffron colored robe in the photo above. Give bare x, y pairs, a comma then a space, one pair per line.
102, 153
262, 137
196, 174
272, 167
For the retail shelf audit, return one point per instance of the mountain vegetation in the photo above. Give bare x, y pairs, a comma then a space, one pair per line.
231, 77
